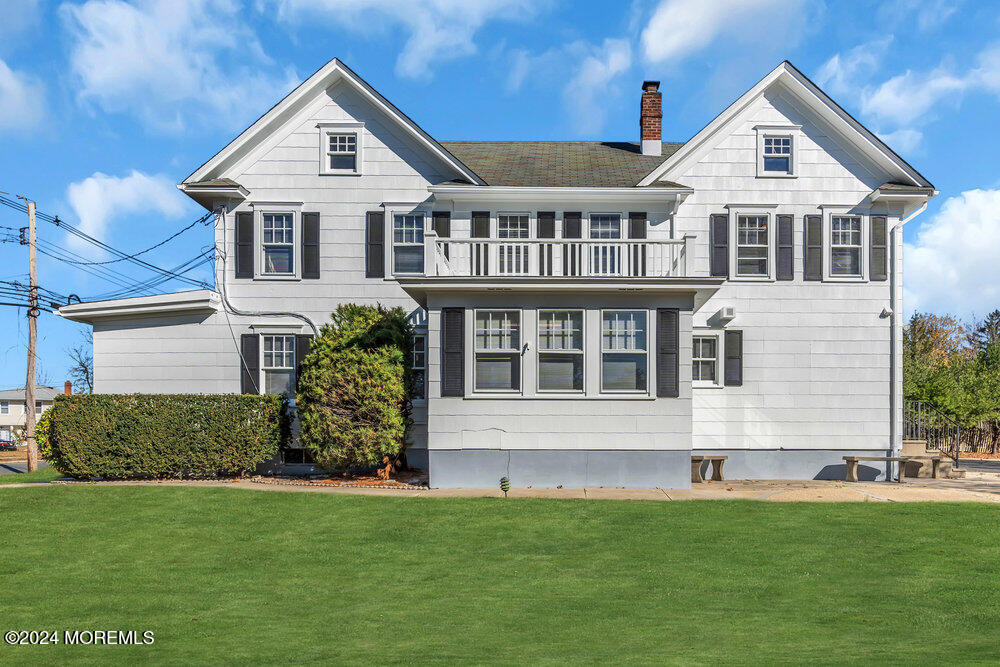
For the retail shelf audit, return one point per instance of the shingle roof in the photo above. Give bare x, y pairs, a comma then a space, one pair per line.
42, 393
558, 163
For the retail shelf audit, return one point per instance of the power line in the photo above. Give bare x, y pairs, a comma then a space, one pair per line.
152, 247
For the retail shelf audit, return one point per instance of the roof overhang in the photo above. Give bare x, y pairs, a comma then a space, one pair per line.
209, 194
285, 113
194, 302
498, 193
702, 288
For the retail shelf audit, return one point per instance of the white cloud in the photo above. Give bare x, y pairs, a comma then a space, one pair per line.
904, 141
172, 62
593, 72
99, 199
680, 28
928, 14
439, 30
952, 265
22, 100
908, 97
839, 75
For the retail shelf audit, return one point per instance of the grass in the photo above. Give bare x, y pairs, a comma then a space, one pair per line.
46, 474
228, 575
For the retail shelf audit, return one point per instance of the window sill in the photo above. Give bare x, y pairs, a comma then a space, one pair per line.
845, 279
752, 279
559, 397
699, 384
341, 173
267, 277
776, 175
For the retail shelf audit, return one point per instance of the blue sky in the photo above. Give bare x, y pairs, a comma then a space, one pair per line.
106, 104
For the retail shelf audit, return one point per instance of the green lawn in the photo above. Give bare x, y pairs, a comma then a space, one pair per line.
46, 474
229, 575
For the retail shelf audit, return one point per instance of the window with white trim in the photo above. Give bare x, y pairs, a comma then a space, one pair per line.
278, 365
845, 245
497, 338
752, 245
605, 226
512, 226
560, 350
419, 368
777, 154
38, 407
278, 244
705, 359
623, 350
342, 151
4, 407
408, 243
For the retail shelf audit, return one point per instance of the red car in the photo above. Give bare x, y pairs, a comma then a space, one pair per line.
6, 446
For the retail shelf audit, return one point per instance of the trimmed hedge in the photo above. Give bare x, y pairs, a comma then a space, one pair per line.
155, 436
353, 397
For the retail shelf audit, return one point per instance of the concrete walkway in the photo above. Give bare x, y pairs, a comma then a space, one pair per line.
917, 490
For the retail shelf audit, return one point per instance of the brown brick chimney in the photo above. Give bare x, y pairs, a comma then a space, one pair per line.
650, 117
68, 388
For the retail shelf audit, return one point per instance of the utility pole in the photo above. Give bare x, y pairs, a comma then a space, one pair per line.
29, 385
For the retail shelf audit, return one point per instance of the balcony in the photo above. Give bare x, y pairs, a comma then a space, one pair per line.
556, 258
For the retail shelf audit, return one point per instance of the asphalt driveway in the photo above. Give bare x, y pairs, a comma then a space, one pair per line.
15, 467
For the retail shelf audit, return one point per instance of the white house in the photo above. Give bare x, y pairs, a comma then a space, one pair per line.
12, 409
590, 313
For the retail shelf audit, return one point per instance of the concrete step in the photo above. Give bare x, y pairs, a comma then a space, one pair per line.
923, 467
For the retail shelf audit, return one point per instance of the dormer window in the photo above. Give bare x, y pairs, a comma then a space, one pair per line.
340, 148
776, 151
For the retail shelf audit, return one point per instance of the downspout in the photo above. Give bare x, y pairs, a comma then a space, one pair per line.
221, 284
896, 336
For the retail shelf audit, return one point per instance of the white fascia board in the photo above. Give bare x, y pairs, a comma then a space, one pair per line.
198, 301
512, 193
328, 75
853, 132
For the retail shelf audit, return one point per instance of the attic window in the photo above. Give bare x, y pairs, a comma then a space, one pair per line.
778, 154
340, 148
776, 151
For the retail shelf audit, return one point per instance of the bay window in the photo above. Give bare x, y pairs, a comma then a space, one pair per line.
560, 350
497, 350
623, 350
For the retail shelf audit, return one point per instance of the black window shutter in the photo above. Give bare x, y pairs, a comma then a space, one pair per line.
785, 254
442, 224
302, 344
878, 252
720, 245
813, 247
250, 364
453, 352
546, 225
637, 225
310, 246
375, 244
668, 352
572, 228
244, 245
480, 224
734, 358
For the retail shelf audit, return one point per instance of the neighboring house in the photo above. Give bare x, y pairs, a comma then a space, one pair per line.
12, 414
589, 313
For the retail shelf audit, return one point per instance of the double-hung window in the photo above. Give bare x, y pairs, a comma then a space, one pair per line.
278, 244
342, 151
498, 350
751, 245
777, 155
845, 245
623, 350
419, 368
278, 367
408, 243
4, 407
512, 226
605, 226
560, 350
705, 359
38, 407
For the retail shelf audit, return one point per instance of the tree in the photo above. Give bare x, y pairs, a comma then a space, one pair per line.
81, 369
353, 395
933, 338
984, 333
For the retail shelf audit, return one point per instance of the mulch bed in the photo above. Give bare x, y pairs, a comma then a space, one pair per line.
402, 480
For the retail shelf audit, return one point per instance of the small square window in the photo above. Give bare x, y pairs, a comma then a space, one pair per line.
605, 226
512, 227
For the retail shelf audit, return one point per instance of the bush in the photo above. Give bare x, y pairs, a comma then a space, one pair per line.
147, 436
353, 394
42, 427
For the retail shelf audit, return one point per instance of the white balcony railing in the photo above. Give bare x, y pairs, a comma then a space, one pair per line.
561, 258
